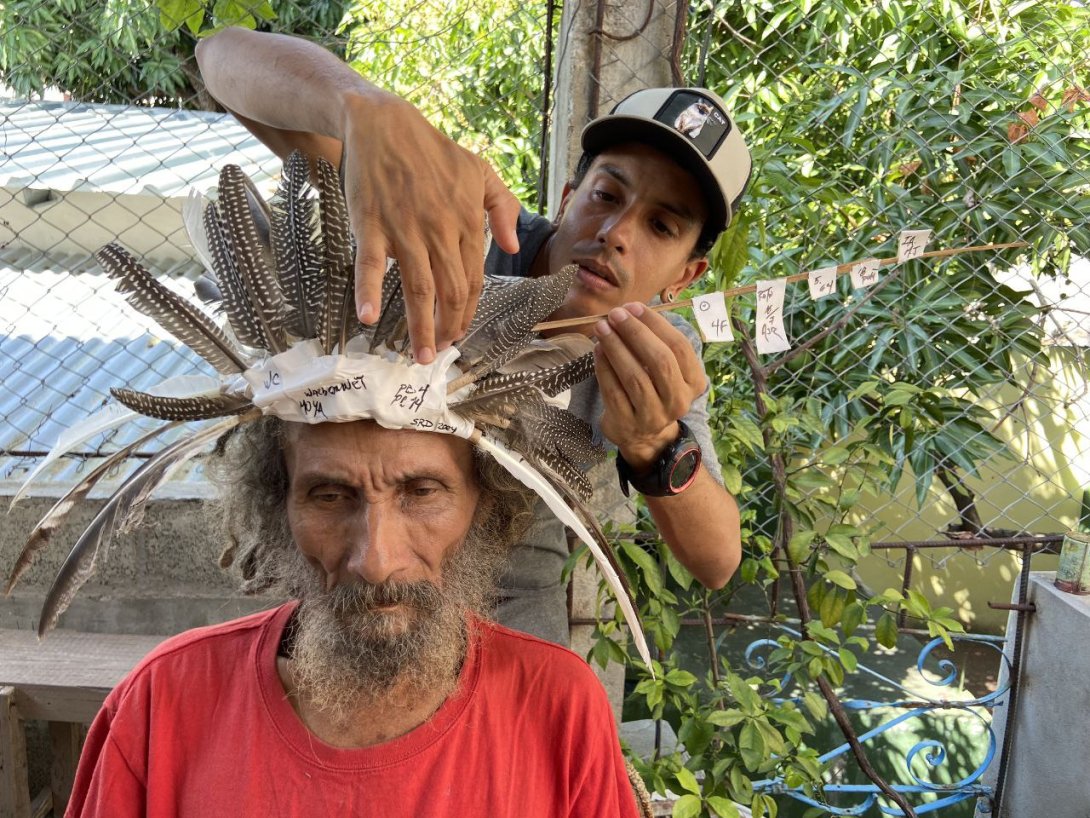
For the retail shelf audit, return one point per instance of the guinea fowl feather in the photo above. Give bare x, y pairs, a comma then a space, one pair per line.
194, 407
120, 511
337, 256
551, 381
526, 304
297, 260
250, 254
186, 322
393, 307
55, 517
236, 300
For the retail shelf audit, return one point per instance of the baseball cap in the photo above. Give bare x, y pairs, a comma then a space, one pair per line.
691, 126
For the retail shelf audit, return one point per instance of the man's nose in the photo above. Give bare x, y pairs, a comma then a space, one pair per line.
616, 230
379, 550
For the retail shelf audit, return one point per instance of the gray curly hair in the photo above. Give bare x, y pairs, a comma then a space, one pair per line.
251, 511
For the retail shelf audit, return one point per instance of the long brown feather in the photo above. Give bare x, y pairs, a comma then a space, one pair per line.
297, 261
186, 322
236, 301
393, 308
56, 516
250, 255
200, 407
337, 256
119, 512
525, 305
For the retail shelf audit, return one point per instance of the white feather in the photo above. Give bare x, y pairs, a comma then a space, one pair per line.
530, 477
113, 415
193, 219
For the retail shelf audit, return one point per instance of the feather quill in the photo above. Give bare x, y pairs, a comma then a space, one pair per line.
236, 204
527, 475
186, 322
297, 261
119, 511
56, 516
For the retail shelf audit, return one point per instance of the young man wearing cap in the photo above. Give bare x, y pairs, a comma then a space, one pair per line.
660, 178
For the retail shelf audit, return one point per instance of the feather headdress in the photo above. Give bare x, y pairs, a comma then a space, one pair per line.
292, 346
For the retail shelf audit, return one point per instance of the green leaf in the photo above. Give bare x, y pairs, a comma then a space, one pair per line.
680, 678
723, 807
652, 577
841, 579
726, 718
746, 697
886, 630
688, 806
847, 658
852, 618
798, 548
687, 780
751, 746
816, 704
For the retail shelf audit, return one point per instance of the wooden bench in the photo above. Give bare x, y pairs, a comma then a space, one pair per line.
61, 680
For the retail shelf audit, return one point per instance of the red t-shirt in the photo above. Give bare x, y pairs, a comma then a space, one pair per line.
202, 728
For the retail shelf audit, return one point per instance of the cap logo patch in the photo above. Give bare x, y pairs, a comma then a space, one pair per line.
696, 117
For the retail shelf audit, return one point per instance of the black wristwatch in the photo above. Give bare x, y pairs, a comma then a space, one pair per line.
671, 474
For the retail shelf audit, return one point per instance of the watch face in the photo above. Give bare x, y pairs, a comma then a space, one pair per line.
684, 469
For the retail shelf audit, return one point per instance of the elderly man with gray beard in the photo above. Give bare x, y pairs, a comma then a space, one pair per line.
383, 689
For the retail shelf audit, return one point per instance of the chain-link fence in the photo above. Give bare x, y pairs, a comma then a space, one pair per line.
946, 403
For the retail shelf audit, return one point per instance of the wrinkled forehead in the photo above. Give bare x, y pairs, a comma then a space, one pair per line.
362, 447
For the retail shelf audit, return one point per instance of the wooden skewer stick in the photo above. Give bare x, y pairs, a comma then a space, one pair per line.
841, 269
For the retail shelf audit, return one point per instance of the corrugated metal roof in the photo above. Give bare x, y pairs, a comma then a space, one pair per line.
71, 146
64, 341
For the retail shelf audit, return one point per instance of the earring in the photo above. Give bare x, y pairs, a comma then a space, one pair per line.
668, 296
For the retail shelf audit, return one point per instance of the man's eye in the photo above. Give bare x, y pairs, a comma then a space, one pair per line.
603, 195
419, 489
662, 227
327, 497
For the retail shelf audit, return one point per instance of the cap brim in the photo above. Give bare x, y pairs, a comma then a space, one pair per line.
618, 129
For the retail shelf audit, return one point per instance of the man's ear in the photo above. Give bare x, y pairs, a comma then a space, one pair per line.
693, 269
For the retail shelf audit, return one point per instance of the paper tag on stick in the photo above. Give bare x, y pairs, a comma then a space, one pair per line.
864, 273
711, 316
912, 243
771, 336
822, 282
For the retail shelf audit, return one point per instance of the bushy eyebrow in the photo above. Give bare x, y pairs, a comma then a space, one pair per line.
679, 210
309, 479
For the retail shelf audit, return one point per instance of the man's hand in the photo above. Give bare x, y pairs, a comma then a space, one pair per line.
417, 196
648, 375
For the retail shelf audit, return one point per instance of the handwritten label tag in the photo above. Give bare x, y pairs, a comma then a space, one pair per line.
912, 243
302, 384
711, 316
771, 336
864, 273
822, 282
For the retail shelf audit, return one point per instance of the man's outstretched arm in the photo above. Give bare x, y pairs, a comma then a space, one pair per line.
413, 194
